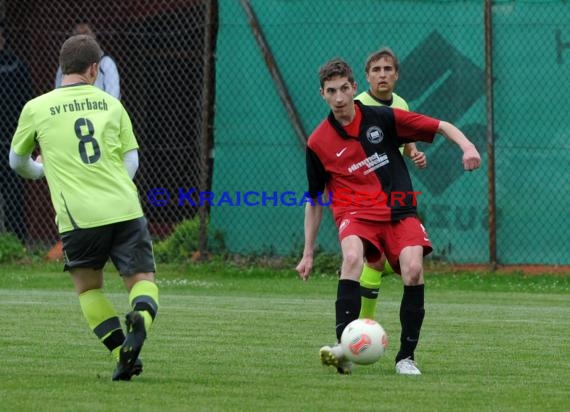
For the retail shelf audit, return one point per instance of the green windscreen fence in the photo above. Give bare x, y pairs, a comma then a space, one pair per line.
532, 131
259, 166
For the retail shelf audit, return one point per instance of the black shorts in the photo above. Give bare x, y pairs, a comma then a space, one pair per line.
127, 244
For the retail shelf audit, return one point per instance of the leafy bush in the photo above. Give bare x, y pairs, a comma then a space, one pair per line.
326, 263
181, 244
10, 248
184, 243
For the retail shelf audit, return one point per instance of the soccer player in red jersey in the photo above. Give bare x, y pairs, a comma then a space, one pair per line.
355, 151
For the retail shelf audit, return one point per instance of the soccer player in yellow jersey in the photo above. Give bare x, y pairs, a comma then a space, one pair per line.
89, 157
382, 72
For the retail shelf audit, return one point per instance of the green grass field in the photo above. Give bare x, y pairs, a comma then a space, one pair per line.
238, 339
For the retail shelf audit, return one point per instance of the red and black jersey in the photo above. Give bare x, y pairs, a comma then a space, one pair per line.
361, 166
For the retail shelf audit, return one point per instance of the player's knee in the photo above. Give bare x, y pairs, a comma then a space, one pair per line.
130, 281
412, 272
352, 259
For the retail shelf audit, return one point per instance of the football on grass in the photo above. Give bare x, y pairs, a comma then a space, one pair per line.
364, 341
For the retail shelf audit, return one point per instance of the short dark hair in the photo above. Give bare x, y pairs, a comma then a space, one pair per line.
78, 53
377, 55
335, 68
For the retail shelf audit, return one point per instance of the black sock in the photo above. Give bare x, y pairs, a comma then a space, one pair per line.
411, 318
114, 340
347, 304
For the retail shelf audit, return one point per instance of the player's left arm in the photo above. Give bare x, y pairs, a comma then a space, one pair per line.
131, 162
471, 157
129, 144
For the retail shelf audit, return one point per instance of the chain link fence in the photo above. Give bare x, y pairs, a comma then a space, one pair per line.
163, 50
499, 70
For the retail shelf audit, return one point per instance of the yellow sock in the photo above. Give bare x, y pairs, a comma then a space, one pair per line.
147, 319
115, 353
102, 319
144, 298
388, 270
370, 281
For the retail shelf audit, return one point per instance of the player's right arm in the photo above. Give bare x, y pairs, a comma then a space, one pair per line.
410, 149
317, 177
313, 218
25, 166
23, 144
412, 152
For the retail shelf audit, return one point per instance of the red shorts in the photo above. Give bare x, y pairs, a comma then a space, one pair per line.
386, 237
